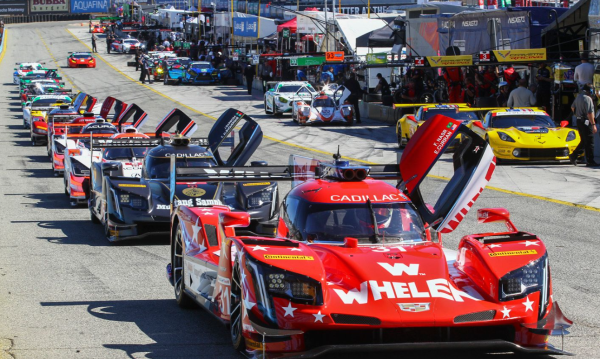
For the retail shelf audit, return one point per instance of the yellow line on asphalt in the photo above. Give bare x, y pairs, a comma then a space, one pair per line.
557, 201
56, 62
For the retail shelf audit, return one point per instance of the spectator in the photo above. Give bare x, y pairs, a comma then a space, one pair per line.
383, 86
469, 92
502, 97
544, 82
584, 72
355, 94
583, 108
521, 96
249, 73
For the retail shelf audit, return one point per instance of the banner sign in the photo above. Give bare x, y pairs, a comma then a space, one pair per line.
12, 7
377, 58
520, 55
449, 61
88, 6
334, 55
49, 6
245, 26
307, 61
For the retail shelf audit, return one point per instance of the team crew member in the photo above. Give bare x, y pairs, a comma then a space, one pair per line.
583, 108
138, 54
300, 75
94, 38
145, 64
109, 41
249, 73
383, 86
355, 92
544, 92
521, 96
454, 78
584, 72
502, 97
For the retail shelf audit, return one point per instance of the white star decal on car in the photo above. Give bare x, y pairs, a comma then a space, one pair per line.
530, 243
295, 249
495, 245
196, 228
505, 313
259, 248
248, 305
528, 304
319, 317
289, 310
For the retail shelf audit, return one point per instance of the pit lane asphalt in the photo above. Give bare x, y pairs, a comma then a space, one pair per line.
66, 293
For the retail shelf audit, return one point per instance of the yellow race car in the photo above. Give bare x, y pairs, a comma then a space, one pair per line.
407, 125
527, 134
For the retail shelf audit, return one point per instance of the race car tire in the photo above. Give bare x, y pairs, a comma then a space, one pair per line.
166, 80
267, 111
400, 142
235, 309
182, 299
275, 113
93, 217
66, 186
73, 203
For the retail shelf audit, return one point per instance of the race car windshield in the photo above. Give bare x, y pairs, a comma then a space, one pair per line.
44, 102
130, 41
158, 167
200, 66
522, 121
323, 102
333, 222
81, 56
124, 153
292, 89
461, 116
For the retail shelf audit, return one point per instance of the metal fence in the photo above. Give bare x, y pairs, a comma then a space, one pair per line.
43, 18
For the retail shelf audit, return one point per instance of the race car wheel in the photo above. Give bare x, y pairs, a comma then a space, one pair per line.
166, 80
400, 143
235, 309
267, 111
93, 217
182, 299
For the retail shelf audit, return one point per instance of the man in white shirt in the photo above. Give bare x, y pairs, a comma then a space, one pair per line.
521, 96
584, 72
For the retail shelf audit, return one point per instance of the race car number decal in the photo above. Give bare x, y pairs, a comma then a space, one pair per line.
513, 253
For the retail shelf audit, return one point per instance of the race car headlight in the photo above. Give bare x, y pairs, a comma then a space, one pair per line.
59, 148
132, 201
305, 111
73, 60
504, 137
277, 282
79, 169
159, 70
283, 99
571, 136
346, 111
39, 131
259, 199
528, 279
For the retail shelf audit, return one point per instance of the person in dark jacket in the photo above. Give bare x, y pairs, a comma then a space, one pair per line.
138, 54
249, 73
94, 38
355, 94
109, 41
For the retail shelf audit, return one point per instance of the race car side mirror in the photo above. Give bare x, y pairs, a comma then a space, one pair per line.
490, 215
271, 90
108, 168
235, 219
564, 124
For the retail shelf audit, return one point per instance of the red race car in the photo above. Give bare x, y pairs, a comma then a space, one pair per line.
81, 59
358, 264
98, 29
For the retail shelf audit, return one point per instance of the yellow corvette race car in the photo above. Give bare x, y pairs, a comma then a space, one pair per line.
407, 125
527, 134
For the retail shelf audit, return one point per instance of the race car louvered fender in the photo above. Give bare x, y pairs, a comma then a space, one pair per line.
176, 121
134, 113
90, 103
473, 165
249, 137
79, 100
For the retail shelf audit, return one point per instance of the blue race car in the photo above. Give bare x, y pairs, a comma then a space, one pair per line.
201, 73
174, 69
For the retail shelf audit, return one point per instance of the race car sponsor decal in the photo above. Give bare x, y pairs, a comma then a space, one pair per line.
288, 257
364, 198
414, 307
433, 288
163, 206
189, 155
198, 202
513, 253
399, 269
132, 185
257, 184
194, 192
443, 138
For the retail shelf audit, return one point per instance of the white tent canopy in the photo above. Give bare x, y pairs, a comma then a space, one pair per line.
353, 28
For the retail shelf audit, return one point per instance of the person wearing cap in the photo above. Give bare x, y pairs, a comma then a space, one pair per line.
583, 108
584, 72
383, 86
521, 96
544, 83
502, 96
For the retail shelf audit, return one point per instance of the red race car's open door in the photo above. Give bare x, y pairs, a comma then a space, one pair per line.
443, 185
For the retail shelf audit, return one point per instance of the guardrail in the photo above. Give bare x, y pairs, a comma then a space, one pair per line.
18, 19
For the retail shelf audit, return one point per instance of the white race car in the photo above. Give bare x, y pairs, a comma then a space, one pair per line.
24, 68
279, 98
127, 45
325, 109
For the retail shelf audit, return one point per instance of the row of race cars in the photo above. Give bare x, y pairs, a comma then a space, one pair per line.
345, 262
515, 134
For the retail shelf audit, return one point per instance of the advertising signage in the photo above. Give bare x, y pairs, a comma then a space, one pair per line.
13, 7
245, 26
46, 6
89, 6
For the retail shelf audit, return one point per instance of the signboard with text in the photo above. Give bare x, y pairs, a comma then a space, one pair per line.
516, 55
89, 6
245, 26
13, 7
307, 61
334, 56
377, 58
55, 6
449, 61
